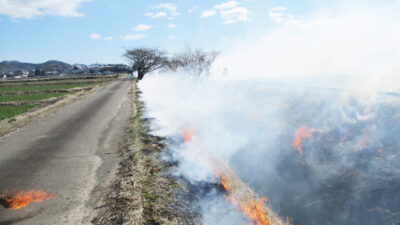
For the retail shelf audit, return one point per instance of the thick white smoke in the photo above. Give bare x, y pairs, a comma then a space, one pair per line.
354, 46
224, 121
329, 71
251, 126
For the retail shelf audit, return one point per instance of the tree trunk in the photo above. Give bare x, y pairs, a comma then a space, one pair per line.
140, 75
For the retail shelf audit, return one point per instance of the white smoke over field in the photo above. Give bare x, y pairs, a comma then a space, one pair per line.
353, 46
343, 171
306, 114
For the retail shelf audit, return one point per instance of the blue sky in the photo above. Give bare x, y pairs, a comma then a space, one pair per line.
90, 31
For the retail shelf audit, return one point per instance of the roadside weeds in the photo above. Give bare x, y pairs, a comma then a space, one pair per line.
143, 193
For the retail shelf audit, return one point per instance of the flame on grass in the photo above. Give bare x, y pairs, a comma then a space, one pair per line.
20, 199
239, 194
302, 133
187, 135
243, 199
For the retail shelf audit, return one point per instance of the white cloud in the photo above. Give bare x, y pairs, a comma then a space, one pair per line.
108, 38
234, 15
168, 6
95, 36
171, 37
171, 7
208, 13
230, 12
191, 10
227, 5
171, 11
143, 27
280, 8
277, 17
171, 25
133, 37
32, 8
156, 15
277, 14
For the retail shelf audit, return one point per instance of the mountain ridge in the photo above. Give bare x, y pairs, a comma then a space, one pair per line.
50, 65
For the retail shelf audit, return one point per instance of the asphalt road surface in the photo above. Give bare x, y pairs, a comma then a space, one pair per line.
72, 154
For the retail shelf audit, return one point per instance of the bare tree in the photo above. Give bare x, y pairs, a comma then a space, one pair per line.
145, 60
195, 62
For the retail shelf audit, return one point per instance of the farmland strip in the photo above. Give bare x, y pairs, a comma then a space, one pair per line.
46, 91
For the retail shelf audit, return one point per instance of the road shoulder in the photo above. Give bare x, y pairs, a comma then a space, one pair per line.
143, 193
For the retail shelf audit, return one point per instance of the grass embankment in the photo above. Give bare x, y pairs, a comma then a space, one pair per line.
20, 96
29, 97
52, 82
10, 111
19, 88
143, 193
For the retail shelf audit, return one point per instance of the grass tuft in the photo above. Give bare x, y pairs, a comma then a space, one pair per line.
44, 87
11, 111
29, 97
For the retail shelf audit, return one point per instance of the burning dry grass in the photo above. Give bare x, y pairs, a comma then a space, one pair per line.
302, 133
19, 199
244, 198
348, 170
239, 194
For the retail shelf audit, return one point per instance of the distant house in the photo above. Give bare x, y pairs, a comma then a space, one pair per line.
123, 67
77, 67
31, 73
49, 73
22, 73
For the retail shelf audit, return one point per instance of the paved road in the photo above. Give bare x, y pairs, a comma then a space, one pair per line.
72, 154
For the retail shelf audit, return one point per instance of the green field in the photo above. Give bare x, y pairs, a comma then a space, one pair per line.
10, 111
29, 97
10, 89
5, 84
44, 87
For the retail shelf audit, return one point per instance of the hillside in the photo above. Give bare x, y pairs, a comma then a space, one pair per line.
11, 66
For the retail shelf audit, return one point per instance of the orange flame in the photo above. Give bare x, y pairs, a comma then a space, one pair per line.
302, 133
238, 194
20, 199
254, 210
224, 182
187, 135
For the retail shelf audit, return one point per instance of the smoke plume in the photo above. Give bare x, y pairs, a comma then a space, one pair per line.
307, 114
345, 172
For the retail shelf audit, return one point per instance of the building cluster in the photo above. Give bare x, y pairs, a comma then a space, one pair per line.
76, 69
